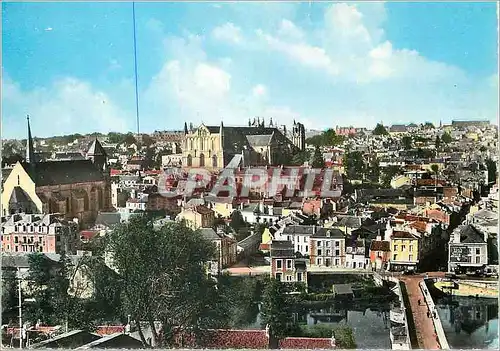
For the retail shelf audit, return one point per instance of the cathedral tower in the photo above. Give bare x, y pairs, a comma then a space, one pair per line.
97, 155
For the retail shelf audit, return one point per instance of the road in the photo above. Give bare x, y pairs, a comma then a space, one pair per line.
424, 326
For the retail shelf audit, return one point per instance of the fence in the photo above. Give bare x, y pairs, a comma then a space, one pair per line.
438, 327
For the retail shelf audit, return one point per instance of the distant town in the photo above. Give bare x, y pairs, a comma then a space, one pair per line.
103, 246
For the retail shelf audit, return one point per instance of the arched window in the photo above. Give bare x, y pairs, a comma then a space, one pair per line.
214, 161
202, 160
189, 161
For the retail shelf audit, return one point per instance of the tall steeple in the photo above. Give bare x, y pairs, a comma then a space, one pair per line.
30, 150
185, 128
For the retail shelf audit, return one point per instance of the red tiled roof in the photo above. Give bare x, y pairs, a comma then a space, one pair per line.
399, 234
264, 246
380, 246
88, 234
420, 226
431, 182
109, 329
203, 209
115, 172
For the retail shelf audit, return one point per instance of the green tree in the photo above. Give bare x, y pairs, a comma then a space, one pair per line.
237, 221
374, 171
276, 311
492, 170
318, 161
429, 125
9, 295
129, 139
438, 142
354, 164
446, 138
483, 148
407, 142
300, 158
344, 337
380, 130
163, 276
115, 138
389, 173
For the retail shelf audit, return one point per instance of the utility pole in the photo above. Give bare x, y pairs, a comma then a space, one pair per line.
20, 310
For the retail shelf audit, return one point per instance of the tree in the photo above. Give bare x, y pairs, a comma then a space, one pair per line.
492, 170
374, 171
389, 173
407, 142
9, 295
380, 130
318, 161
354, 164
237, 220
327, 138
276, 311
438, 142
344, 337
446, 138
300, 158
162, 272
129, 139
429, 125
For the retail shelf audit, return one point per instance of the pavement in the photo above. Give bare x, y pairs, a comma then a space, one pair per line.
426, 336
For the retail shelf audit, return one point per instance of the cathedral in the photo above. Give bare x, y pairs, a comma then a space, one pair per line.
76, 189
216, 147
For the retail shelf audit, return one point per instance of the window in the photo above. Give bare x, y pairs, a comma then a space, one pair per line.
337, 252
16, 240
289, 264
395, 257
278, 276
279, 264
403, 247
336, 261
17, 248
337, 243
327, 262
327, 243
299, 277
288, 278
319, 252
319, 242
411, 248
478, 251
411, 257
305, 239
478, 259
319, 261
354, 265
395, 247
307, 248
328, 252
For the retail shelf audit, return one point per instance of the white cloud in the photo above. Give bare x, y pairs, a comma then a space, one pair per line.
289, 30
228, 32
68, 105
48, 29
259, 90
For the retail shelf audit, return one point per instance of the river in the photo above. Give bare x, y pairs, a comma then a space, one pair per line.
469, 323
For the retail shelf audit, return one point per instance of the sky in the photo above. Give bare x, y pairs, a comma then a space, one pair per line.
70, 66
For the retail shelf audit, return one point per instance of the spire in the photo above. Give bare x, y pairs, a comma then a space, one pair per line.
30, 151
271, 122
185, 128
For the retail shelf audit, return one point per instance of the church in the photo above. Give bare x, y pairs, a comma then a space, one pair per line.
75, 189
216, 147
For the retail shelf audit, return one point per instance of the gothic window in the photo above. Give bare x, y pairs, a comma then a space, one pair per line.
214, 161
202, 160
18, 180
189, 161
213, 144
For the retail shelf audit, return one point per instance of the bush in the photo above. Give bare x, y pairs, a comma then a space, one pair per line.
344, 337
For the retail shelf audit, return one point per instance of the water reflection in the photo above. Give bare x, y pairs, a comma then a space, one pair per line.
370, 326
469, 322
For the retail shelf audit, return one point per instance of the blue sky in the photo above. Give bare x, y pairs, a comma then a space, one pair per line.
71, 65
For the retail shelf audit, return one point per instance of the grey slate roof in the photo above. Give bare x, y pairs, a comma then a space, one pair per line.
329, 233
108, 219
299, 230
470, 235
63, 172
209, 234
96, 149
18, 195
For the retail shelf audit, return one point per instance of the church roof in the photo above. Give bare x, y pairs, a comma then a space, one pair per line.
18, 195
96, 149
259, 140
63, 172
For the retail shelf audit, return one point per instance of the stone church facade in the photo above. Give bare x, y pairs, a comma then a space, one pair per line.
75, 189
213, 147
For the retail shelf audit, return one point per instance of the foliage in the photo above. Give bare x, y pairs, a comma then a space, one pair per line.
317, 161
344, 337
300, 158
315, 331
380, 130
483, 148
354, 164
438, 142
276, 311
373, 171
492, 170
327, 138
9, 295
429, 125
237, 220
389, 173
163, 276
446, 138
115, 138
129, 139
435, 169
407, 142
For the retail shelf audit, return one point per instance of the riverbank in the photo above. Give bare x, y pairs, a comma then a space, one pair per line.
468, 288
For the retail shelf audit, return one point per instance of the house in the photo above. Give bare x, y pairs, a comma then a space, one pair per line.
114, 341
197, 217
47, 233
284, 266
380, 253
137, 204
299, 235
468, 249
355, 254
69, 340
327, 248
158, 202
226, 249
404, 250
